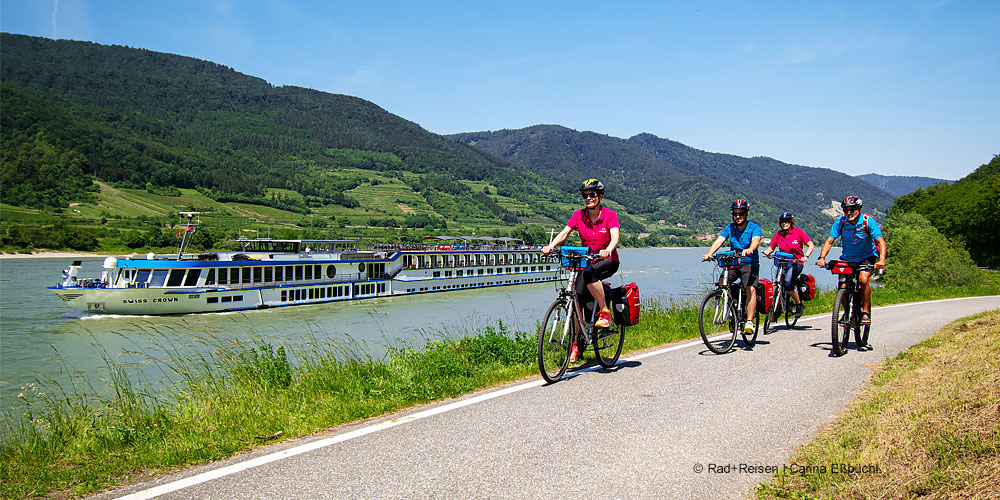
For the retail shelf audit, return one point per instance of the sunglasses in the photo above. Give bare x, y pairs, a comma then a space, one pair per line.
852, 209
588, 195
739, 214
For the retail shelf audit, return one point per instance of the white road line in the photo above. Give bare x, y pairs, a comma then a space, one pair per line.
393, 422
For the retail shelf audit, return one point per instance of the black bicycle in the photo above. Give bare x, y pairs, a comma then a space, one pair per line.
565, 320
726, 305
847, 305
779, 303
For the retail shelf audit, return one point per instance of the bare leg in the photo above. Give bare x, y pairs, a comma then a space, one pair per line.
597, 291
751, 302
866, 301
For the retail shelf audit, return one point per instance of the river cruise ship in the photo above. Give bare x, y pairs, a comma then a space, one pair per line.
274, 273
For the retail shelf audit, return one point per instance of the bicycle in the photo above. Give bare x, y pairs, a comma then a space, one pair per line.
847, 306
782, 264
725, 304
565, 320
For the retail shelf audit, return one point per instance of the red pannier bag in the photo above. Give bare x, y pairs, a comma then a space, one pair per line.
625, 304
806, 284
766, 289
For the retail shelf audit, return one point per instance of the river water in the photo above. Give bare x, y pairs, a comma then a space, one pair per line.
40, 339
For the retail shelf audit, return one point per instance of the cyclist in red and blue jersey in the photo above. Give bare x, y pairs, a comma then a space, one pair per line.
790, 239
598, 228
744, 237
863, 243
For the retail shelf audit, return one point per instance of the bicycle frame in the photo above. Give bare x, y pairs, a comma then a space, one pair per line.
569, 294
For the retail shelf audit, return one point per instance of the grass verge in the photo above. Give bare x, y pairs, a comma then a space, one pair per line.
926, 426
67, 442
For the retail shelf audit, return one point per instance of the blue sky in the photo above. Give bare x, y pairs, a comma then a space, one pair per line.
896, 88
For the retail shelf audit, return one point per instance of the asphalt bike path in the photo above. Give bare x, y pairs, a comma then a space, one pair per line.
677, 422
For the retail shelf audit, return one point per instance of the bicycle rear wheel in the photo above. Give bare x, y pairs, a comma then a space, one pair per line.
608, 343
555, 337
840, 327
712, 315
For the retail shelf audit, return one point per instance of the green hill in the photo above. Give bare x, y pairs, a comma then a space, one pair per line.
74, 112
965, 211
673, 182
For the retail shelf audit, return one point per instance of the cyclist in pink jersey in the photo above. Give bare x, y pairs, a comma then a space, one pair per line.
790, 239
598, 228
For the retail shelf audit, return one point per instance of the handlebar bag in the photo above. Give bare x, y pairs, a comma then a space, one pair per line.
841, 267
581, 265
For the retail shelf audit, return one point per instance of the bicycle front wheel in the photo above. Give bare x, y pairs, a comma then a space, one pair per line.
555, 337
608, 343
711, 316
775, 308
860, 331
840, 327
791, 315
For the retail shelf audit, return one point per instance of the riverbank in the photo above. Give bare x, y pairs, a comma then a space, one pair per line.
243, 397
49, 254
925, 426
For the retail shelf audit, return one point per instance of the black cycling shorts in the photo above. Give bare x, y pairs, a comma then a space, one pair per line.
747, 275
598, 271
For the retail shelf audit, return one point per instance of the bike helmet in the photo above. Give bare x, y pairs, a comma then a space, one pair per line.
740, 204
592, 185
851, 201
786, 216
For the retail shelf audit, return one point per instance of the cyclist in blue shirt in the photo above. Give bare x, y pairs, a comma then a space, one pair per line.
744, 237
862, 241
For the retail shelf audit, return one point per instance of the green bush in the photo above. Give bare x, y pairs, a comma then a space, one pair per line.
920, 256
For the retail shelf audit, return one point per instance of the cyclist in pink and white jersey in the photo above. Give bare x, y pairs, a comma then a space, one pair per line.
790, 239
598, 228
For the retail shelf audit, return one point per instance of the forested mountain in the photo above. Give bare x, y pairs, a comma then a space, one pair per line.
674, 181
77, 110
898, 185
965, 211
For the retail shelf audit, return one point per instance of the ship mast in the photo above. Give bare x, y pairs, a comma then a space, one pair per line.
186, 229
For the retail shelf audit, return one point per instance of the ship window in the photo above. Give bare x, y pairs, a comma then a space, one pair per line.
257, 275
458, 273
278, 274
234, 276
317, 271
329, 291
331, 271
298, 272
227, 298
158, 277
246, 275
268, 274
142, 276
212, 300
447, 273
479, 271
237, 298
284, 295
311, 296
437, 274
309, 272
210, 279
192, 277
223, 276
289, 272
